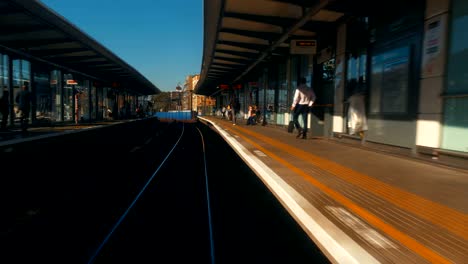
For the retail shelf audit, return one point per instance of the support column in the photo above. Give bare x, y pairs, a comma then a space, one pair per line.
434, 63
340, 77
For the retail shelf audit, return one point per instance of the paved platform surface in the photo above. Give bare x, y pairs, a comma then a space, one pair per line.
359, 205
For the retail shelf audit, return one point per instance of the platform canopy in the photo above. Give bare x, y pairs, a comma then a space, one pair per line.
240, 35
32, 30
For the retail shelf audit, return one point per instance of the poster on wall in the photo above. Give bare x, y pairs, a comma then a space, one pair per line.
434, 42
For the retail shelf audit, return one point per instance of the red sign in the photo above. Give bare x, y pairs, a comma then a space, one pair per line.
224, 86
237, 86
72, 82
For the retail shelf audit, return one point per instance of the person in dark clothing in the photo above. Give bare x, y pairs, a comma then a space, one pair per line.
23, 99
4, 109
235, 108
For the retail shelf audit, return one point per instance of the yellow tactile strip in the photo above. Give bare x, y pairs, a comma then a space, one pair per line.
397, 196
446, 217
378, 248
432, 236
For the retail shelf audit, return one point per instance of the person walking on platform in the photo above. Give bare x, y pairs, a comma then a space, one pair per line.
223, 112
23, 99
235, 105
304, 97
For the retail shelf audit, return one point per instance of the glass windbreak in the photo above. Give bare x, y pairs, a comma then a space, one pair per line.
242, 98
4, 90
21, 75
56, 91
122, 105
282, 90
456, 124
109, 103
261, 93
68, 101
82, 101
389, 81
270, 97
356, 75
75, 98
93, 101
458, 51
327, 81
3, 71
455, 129
101, 109
43, 97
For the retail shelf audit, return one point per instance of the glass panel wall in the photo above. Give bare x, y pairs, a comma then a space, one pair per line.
282, 106
455, 128
44, 95
93, 101
82, 101
56, 95
4, 70
390, 80
271, 94
121, 103
131, 106
113, 102
21, 75
68, 101
262, 87
101, 107
295, 72
5, 90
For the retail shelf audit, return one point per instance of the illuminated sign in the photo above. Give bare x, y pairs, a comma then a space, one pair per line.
303, 46
72, 82
237, 86
224, 86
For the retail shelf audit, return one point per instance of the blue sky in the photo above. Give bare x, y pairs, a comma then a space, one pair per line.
162, 39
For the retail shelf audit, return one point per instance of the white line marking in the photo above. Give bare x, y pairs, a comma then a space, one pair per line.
259, 153
361, 228
336, 244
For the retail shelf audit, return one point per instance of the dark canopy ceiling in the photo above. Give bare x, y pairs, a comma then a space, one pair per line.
29, 28
241, 34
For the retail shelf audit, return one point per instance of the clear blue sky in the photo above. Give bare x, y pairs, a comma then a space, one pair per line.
162, 39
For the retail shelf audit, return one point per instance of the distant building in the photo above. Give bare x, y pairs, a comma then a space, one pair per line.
196, 102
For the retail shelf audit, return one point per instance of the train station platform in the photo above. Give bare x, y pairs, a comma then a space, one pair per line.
359, 205
14, 135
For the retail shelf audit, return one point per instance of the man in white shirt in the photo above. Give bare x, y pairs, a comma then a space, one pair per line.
304, 98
